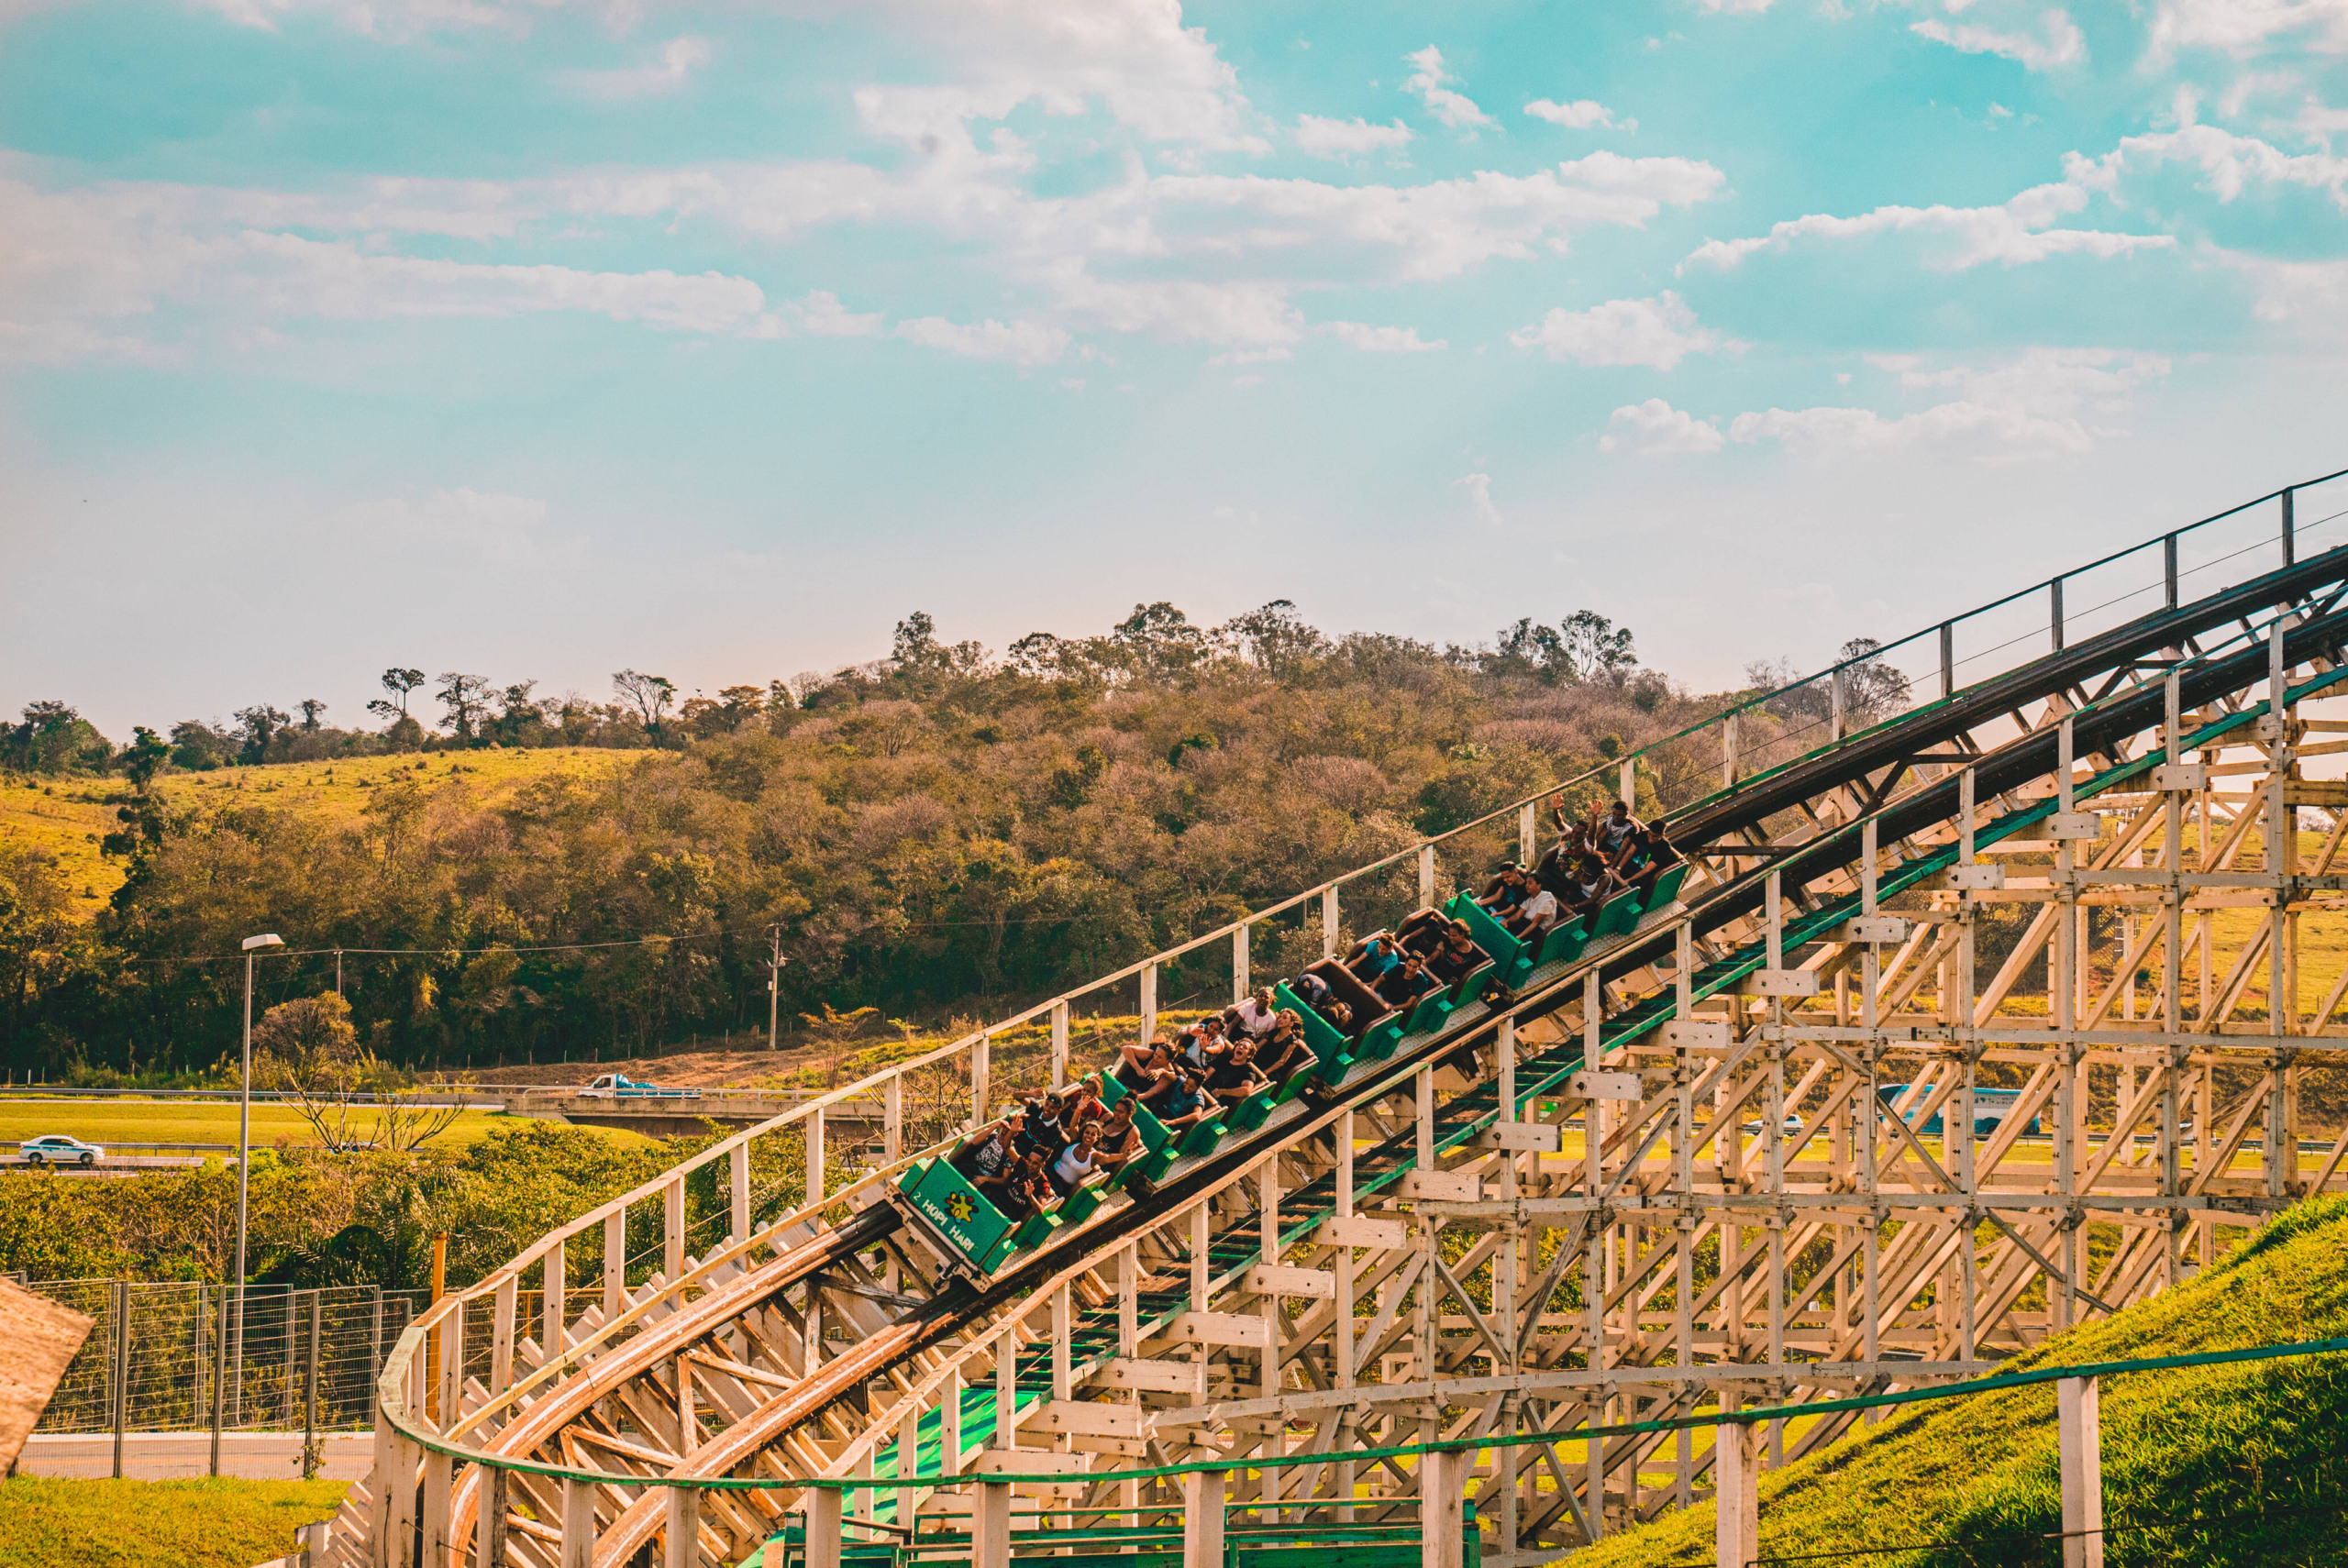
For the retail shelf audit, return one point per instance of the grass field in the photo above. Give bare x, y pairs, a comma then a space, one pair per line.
156, 1524
69, 817
114, 1121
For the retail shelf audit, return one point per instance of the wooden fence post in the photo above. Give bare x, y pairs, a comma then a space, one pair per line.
1443, 1512
1204, 1495
439, 1540
1736, 1479
823, 1509
578, 1524
682, 1536
2079, 1423
990, 1526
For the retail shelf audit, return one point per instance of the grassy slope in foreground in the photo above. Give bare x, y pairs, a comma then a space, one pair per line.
156, 1524
2206, 1441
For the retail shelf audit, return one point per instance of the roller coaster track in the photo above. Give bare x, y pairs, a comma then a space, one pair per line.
1502, 1226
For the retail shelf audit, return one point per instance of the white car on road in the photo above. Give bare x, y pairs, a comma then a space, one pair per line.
57, 1149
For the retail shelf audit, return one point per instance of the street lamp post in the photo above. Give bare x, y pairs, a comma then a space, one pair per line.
774, 990
244, 1159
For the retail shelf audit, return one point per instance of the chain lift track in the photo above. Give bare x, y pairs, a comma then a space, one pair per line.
1779, 1140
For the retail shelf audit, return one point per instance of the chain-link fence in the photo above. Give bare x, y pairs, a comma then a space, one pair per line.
153, 1359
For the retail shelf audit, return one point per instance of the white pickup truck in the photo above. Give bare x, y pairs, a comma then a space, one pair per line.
619, 1086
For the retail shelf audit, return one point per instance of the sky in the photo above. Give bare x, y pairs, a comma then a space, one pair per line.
538, 340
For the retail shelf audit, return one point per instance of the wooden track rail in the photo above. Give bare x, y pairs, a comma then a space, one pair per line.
2014, 1015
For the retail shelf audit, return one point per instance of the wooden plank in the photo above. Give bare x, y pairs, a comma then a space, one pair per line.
37, 1341
1592, 1084
1359, 1231
1154, 1377
1443, 1186
1537, 1137
1088, 1418
1278, 1279
1220, 1329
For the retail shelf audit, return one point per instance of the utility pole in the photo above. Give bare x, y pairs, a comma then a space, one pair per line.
774, 990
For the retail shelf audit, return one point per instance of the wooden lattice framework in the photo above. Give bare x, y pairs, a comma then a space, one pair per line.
1704, 1163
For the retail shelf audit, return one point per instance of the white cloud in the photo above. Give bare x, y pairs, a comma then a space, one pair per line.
72, 343
99, 258
2255, 83
2246, 27
1429, 82
1410, 233
2318, 122
1479, 496
1160, 79
1379, 339
1023, 343
496, 528
1348, 139
1734, 8
2313, 295
1247, 314
2012, 234
1654, 429
2063, 43
678, 59
1657, 333
1215, 259
822, 314
1579, 115
2042, 402
2230, 164
288, 275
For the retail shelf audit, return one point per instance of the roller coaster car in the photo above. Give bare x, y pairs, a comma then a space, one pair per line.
977, 1238
953, 1213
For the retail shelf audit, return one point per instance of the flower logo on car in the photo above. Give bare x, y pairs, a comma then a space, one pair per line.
960, 1207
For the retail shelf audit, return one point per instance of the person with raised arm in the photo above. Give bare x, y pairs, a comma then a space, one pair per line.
1140, 1066
1079, 1159
988, 1151
1181, 1100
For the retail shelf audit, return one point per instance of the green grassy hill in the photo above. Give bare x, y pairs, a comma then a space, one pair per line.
2199, 1448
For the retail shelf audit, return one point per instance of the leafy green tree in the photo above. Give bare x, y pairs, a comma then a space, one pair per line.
399, 682
54, 738
1277, 640
650, 695
467, 699
1594, 647
258, 726
311, 708
199, 747
144, 757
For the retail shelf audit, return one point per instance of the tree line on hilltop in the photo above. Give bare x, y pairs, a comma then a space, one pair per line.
939, 829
